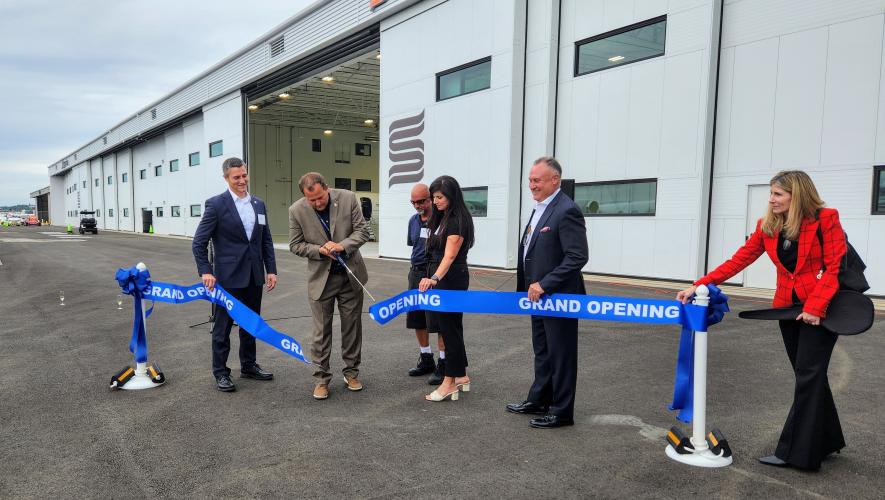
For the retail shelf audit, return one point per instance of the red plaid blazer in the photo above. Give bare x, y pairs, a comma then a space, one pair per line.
814, 289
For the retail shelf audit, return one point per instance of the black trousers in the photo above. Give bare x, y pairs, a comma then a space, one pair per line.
251, 298
555, 342
812, 430
451, 325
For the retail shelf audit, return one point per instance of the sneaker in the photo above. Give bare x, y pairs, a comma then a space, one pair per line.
439, 373
425, 365
353, 384
321, 391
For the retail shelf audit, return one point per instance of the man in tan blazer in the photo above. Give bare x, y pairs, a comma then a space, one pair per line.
325, 224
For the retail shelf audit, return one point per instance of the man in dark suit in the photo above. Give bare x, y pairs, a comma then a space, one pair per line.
236, 222
552, 252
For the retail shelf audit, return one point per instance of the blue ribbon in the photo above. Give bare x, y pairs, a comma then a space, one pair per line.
683, 383
134, 282
689, 316
245, 317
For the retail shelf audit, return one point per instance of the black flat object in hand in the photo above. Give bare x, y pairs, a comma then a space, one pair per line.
849, 313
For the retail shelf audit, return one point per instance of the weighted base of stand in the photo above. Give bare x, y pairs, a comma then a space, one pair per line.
703, 458
140, 382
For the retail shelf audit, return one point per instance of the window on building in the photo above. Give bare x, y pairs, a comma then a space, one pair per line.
110, 179
631, 197
626, 45
879, 190
193, 159
316, 145
125, 177
364, 184
471, 77
477, 200
159, 211
84, 184
158, 170
142, 174
342, 183
216, 149
110, 212
97, 181
176, 211
195, 210
173, 165
125, 212
98, 212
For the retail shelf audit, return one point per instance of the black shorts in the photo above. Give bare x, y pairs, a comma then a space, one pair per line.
416, 320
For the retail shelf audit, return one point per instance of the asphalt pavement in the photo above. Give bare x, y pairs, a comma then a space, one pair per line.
65, 434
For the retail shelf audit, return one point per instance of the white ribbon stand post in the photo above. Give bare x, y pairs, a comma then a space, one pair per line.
140, 380
702, 456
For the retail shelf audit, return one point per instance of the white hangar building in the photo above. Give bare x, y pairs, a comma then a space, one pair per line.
669, 117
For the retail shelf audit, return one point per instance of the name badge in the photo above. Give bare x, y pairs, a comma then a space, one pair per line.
262, 220
425, 233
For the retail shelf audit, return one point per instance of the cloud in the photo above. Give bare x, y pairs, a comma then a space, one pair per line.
72, 70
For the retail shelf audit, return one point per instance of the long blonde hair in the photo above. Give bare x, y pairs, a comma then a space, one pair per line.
804, 204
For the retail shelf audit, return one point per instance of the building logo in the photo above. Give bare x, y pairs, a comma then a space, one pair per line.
406, 150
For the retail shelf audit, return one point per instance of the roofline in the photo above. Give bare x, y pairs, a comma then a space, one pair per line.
276, 30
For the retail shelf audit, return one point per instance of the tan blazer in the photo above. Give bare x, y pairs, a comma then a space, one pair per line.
349, 229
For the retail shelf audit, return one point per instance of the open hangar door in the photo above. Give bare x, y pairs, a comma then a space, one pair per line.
319, 117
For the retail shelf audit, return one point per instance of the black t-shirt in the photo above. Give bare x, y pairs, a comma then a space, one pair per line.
437, 243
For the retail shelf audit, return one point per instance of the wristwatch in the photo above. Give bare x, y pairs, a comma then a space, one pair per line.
436, 278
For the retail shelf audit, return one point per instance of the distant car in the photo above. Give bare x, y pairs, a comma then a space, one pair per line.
87, 222
32, 220
14, 220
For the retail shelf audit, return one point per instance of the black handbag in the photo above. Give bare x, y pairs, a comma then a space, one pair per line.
851, 269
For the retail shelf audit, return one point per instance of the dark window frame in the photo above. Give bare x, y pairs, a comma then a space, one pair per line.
221, 142
175, 211
190, 159
878, 174
158, 170
142, 174
609, 34
124, 177
464, 66
199, 210
478, 188
626, 181
176, 163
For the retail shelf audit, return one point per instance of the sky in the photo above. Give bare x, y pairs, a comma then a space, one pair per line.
71, 70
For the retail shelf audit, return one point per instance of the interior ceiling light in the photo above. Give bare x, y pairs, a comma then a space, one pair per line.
328, 79
378, 55
615, 58
369, 121
284, 95
253, 107
327, 132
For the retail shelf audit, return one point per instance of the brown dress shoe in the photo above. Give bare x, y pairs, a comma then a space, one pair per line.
321, 391
353, 384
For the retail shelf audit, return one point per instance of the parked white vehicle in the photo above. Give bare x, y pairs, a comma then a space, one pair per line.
14, 220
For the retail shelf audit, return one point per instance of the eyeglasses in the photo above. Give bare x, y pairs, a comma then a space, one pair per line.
420, 202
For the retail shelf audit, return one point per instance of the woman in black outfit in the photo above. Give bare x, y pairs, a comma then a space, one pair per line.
451, 235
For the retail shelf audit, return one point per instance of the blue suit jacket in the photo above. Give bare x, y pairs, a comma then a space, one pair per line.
237, 259
557, 251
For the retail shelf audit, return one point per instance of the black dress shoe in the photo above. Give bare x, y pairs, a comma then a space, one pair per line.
225, 384
425, 365
257, 373
528, 407
773, 461
550, 422
439, 373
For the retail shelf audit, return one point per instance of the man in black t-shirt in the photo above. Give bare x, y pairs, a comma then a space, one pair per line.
416, 238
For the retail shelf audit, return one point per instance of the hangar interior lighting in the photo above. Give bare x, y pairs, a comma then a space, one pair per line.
328, 79
327, 132
253, 107
615, 58
284, 95
369, 122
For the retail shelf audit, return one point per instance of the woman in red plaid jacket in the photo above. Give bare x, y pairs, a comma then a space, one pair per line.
807, 273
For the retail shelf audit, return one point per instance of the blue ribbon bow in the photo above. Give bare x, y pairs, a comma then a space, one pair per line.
136, 283
698, 319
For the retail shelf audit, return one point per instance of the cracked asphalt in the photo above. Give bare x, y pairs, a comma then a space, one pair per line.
64, 434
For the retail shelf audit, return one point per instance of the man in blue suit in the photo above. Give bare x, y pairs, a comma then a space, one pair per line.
236, 222
552, 252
